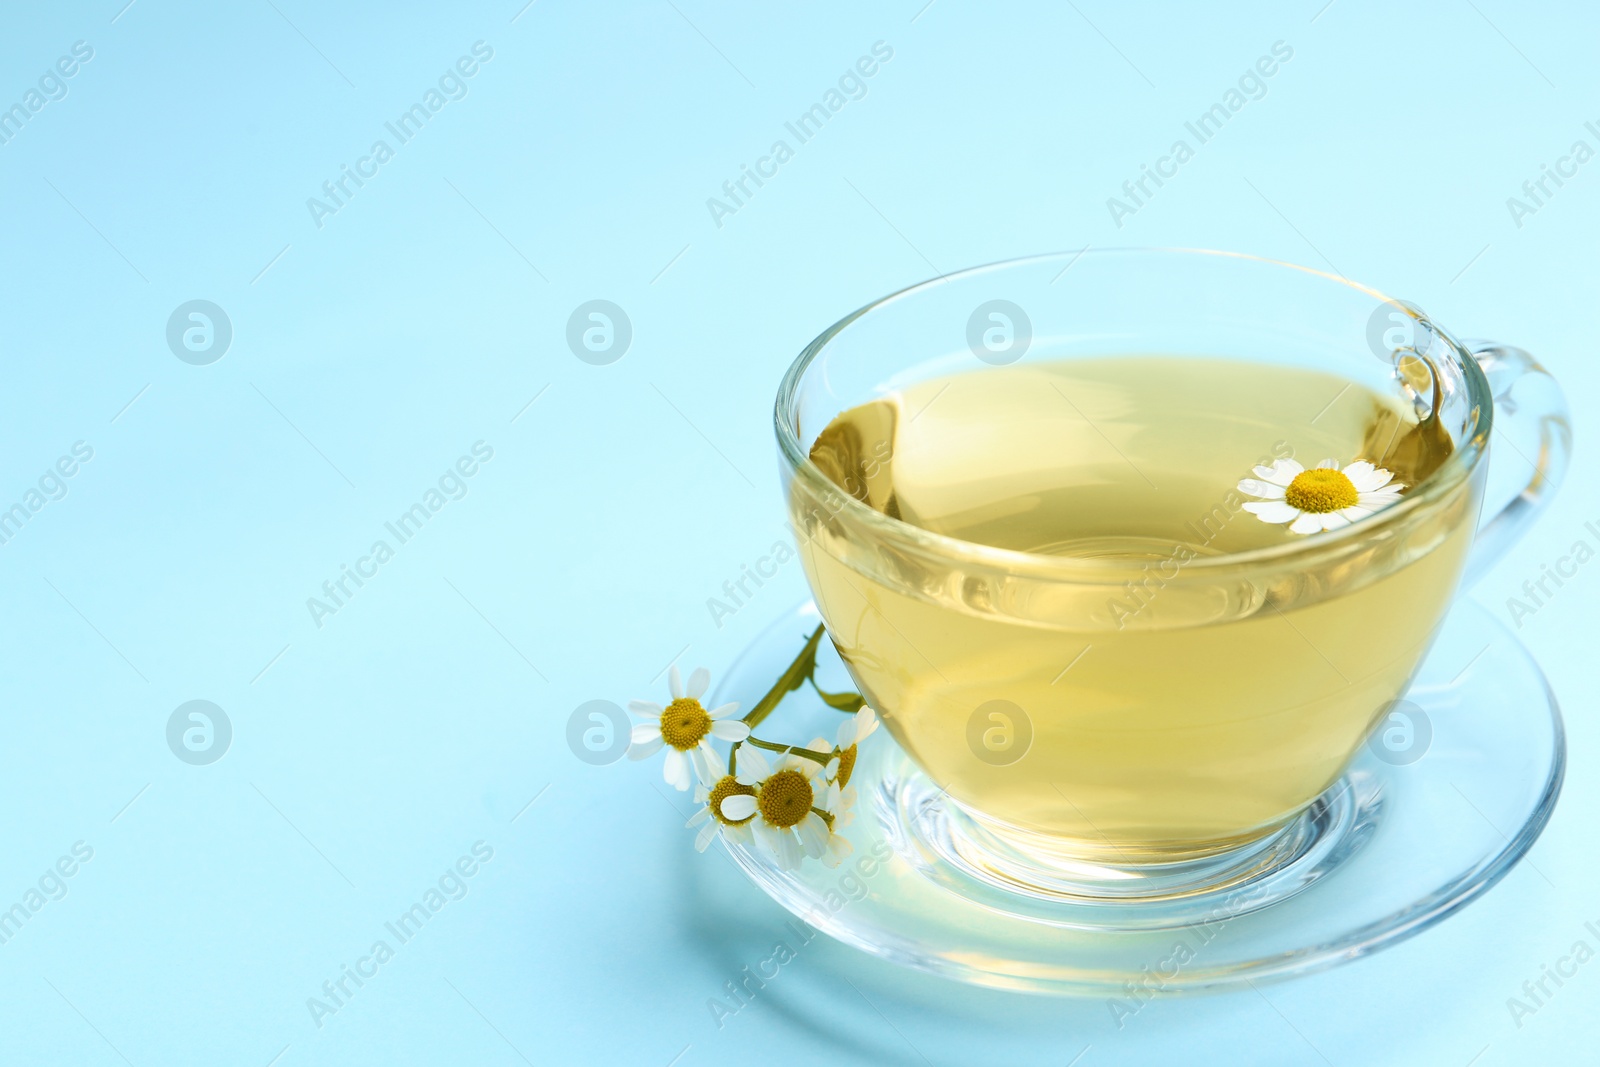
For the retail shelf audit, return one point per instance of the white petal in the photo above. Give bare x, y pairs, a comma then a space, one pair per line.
832, 769
700, 815
858, 728
738, 806
1281, 472
675, 682
645, 749
838, 849
866, 722
716, 764
709, 764
802, 765
783, 846
813, 833
730, 730
1361, 474
1334, 521
722, 711
646, 709
753, 765
768, 837
1264, 490
1379, 479
739, 835
676, 771
1355, 512
703, 838
1308, 523
698, 681
789, 851
1273, 511
1329, 464
644, 731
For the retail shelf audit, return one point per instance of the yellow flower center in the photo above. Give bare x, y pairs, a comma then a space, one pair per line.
785, 799
847, 764
728, 786
1321, 490
684, 723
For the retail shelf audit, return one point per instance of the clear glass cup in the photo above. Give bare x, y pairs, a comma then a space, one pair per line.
1058, 735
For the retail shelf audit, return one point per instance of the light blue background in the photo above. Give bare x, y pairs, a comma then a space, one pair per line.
424, 716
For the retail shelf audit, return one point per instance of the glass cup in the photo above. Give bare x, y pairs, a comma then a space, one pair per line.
1177, 747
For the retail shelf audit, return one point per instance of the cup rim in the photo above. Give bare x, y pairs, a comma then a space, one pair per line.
1438, 485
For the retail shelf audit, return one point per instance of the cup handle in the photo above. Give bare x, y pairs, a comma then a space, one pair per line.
1525, 395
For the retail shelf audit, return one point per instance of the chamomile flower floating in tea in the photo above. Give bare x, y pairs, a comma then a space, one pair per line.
686, 729
1322, 498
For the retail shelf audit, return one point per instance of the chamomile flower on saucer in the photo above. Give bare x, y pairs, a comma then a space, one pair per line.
1325, 497
854, 731
734, 831
838, 803
686, 729
783, 807
793, 804
843, 807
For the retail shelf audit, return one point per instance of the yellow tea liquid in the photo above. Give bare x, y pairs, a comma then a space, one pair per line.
1169, 709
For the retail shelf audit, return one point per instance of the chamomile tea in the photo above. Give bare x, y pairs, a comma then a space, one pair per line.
1177, 691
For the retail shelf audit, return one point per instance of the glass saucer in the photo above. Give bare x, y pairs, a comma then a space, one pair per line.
1449, 794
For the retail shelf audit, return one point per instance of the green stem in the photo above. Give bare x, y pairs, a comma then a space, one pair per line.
798, 673
804, 665
813, 756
